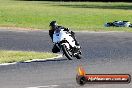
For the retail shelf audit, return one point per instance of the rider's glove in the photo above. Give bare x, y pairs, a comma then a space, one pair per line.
66, 29
72, 33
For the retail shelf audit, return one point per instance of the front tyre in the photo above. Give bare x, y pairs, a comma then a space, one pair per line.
66, 52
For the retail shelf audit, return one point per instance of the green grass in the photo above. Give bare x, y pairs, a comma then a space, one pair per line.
20, 56
89, 16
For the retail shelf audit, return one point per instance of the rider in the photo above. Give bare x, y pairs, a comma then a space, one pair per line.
53, 26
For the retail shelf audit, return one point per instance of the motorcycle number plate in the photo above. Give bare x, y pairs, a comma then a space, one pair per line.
57, 34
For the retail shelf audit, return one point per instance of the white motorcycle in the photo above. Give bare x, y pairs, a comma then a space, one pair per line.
66, 44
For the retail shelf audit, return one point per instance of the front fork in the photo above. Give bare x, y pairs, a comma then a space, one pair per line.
74, 51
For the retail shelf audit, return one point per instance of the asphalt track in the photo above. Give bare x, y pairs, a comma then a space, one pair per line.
102, 53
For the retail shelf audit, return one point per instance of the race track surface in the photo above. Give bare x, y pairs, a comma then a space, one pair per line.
102, 53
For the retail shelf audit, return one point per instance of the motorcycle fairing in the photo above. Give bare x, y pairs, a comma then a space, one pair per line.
61, 35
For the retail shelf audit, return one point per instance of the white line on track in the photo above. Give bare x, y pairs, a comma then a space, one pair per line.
47, 86
59, 56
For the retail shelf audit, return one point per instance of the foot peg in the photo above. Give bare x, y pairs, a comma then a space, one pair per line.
78, 47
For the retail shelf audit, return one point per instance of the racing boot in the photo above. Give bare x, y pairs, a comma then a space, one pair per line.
55, 49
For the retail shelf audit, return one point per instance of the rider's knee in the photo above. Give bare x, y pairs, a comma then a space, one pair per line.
55, 49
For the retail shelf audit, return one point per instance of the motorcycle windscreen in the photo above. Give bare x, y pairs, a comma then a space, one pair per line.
57, 30
61, 35
67, 37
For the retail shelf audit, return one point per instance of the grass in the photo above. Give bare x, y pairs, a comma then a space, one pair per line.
7, 56
89, 16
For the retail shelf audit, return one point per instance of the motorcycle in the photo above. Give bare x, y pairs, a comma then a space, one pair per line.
66, 44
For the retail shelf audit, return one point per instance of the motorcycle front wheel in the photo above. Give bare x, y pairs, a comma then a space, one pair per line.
66, 52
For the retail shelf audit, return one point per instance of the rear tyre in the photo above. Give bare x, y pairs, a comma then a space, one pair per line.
66, 52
